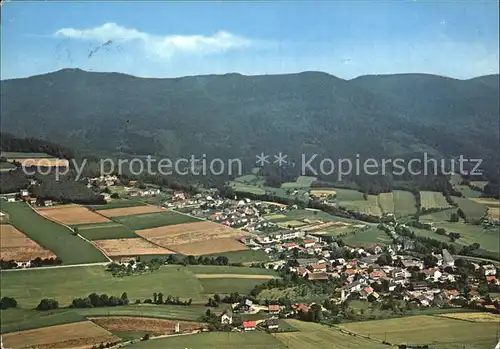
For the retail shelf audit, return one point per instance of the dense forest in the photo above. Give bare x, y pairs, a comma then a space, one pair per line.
235, 116
33, 145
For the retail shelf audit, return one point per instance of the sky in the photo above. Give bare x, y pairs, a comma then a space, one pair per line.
347, 39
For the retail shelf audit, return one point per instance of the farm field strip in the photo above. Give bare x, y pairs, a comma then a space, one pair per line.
66, 284
474, 317
246, 188
386, 202
127, 211
431, 330
433, 199
14, 245
471, 208
130, 247
493, 206
312, 336
158, 220
404, 203
215, 340
323, 192
53, 236
369, 206
73, 214
20, 155
102, 231
153, 326
215, 245
74, 335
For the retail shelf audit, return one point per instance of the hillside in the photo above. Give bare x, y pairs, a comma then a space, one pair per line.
239, 116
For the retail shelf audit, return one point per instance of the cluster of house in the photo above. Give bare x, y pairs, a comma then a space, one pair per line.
24, 195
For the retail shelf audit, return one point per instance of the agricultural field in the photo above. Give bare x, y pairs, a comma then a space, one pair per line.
312, 336
74, 335
42, 162
273, 217
216, 245
348, 195
404, 203
433, 199
154, 220
71, 214
127, 211
467, 192
65, 284
250, 179
14, 245
472, 209
51, 235
191, 238
474, 317
214, 340
300, 183
102, 231
493, 207
386, 202
18, 319
246, 188
367, 237
437, 332
221, 284
130, 247
117, 203
220, 270
368, 206
292, 223
152, 326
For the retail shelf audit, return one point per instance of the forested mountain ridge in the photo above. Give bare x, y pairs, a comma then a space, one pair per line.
233, 115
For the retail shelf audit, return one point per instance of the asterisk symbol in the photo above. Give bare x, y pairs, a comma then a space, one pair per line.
262, 159
280, 159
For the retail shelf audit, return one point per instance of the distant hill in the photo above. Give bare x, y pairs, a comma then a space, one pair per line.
239, 116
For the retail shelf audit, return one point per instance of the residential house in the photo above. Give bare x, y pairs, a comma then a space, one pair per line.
308, 243
306, 262
365, 292
24, 192
249, 325
273, 308
448, 260
355, 286
411, 263
47, 203
318, 268
397, 272
300, 307
432, 274
227, 317
248, 305
302, 272
290, 245
418, 285
377, 274
11, 199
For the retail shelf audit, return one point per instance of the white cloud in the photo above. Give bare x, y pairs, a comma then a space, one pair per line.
159, 46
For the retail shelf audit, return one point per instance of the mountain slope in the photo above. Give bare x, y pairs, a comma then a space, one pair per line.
239, 116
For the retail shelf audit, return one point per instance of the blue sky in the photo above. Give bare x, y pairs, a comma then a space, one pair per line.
167, 39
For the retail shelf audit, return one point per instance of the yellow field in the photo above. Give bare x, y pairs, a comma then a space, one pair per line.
474, 317
76, 335
71, 214
493, 207
315, 336
323, 192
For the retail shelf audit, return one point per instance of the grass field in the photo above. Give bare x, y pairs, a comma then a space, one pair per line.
17, 319
348, 194
435, 331
208, 269
493, 207
404, 203
246, 188
314, 336
369, 206
215, 340
479, 184
386, 202
367, 237
433, 199
471, 209
467, 192
227, 285
65, 284
246, 256
154, 220
102, 231
474, 317
273, 217
71, 249
292, 223
5, 166
300, 182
